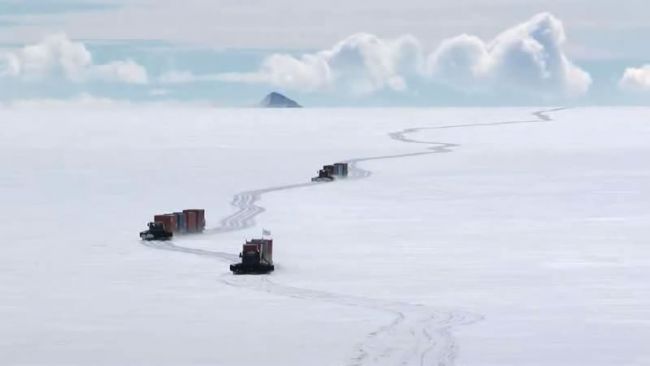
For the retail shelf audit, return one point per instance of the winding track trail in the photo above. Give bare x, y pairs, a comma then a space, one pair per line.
418, 334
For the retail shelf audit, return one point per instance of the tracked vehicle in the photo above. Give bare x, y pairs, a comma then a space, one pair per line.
256, 258
323, 176
330, 172
156, 231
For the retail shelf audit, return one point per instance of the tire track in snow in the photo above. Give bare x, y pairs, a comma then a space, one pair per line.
242, 219
418, 334
436, 147
424, 324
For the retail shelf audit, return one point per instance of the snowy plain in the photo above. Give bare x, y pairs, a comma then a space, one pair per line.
477, 237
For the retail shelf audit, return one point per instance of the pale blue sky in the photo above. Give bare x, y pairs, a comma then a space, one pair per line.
209, 38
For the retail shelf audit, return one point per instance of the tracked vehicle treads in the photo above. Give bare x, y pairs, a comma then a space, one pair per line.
256, 258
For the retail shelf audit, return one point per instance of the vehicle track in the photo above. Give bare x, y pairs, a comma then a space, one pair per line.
418, 334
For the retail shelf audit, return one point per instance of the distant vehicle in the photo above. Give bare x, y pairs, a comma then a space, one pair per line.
164, 226
330, 172
156, 231
323, 176
256, 258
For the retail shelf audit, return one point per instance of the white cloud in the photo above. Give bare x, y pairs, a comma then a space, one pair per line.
636, 79
459, 60
127, 71
360, 64
527, 57
58, 55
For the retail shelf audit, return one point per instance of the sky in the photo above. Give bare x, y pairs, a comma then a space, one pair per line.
334, 53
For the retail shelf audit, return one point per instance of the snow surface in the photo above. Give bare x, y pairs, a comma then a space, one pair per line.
476, 237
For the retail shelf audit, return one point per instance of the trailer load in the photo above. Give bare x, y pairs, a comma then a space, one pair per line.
164, 226
331, 172
256, 258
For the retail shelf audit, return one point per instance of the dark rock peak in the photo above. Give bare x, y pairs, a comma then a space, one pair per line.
277, 100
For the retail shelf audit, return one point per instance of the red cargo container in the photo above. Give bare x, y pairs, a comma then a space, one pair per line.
168, 221
191, 221
200, 218
251, 247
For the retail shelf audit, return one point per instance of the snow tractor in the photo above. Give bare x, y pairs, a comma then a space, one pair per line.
329, 172
256, 258
156, 232
323, 176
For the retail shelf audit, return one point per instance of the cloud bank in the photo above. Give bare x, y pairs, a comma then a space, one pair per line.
361, 64
528, 57
636, 79
57, 55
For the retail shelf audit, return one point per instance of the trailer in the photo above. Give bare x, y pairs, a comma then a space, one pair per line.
256, 258
341, 170
195, 220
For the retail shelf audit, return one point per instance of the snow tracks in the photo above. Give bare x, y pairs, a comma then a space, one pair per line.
418, 334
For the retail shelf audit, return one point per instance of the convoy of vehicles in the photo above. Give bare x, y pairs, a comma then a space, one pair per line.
256, 255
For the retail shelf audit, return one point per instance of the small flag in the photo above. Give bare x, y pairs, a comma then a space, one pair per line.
266, 232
